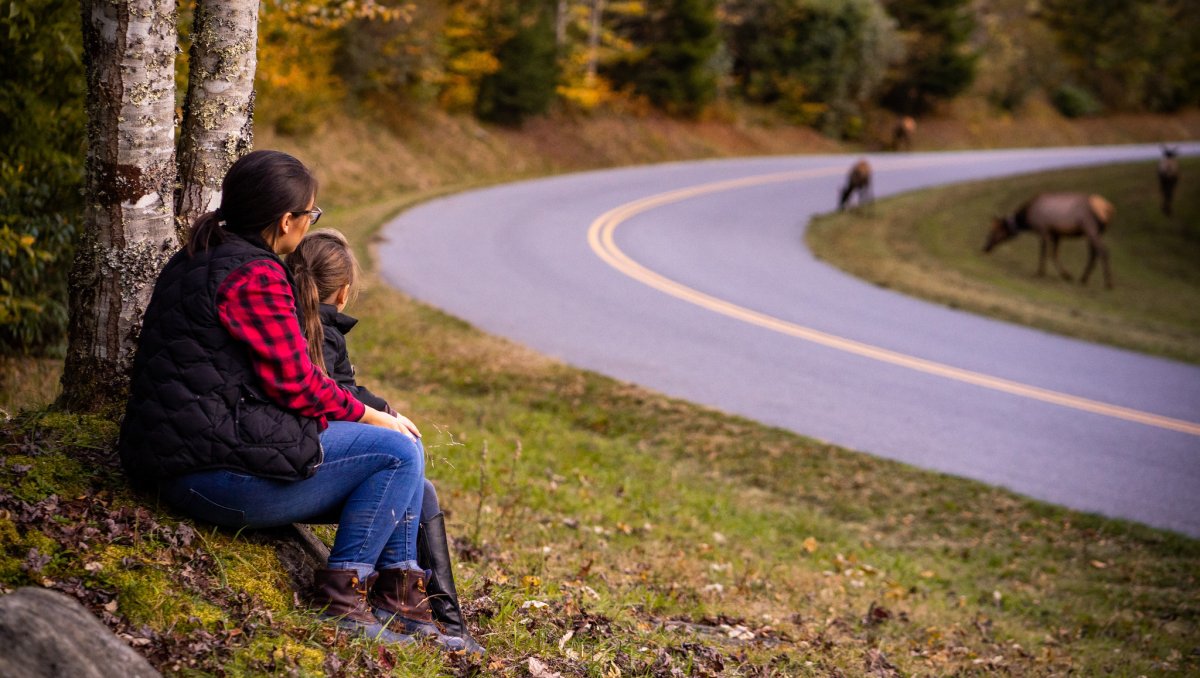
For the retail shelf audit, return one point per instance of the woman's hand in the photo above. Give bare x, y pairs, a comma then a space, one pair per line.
399, 422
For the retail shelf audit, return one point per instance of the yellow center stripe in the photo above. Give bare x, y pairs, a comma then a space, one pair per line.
602, 241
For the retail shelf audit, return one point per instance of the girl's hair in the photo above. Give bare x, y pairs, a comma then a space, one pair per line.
256, 192
322, 263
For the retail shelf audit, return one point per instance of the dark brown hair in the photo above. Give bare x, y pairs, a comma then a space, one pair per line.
322, 263
256, 192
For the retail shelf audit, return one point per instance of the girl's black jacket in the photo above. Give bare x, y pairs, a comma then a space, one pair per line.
335, 326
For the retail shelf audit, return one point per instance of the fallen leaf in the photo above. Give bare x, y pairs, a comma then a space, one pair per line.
810, 545
538, 669
1099, 564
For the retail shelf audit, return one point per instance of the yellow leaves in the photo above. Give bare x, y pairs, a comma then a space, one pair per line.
895, 591
13, 243
334, 14
810, 545
531, 582
473, 63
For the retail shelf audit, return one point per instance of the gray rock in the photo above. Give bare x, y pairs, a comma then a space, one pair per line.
44, 633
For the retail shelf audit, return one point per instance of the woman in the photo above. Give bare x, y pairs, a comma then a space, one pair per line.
231, 421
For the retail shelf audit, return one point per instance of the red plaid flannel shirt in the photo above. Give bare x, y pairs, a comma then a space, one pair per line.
256, 306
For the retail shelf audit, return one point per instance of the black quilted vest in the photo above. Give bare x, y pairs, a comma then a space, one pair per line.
195, 402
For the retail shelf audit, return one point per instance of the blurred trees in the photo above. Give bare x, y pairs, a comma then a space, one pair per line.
526, 73
820, 63
939, 63
824, 63
1131, 54
41, 168
670, 59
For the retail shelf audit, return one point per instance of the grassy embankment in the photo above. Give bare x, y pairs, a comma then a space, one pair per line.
928, 244
604, 529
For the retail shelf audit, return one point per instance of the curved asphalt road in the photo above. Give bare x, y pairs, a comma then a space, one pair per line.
693, 279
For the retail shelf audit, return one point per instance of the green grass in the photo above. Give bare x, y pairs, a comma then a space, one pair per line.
928, 244
603, 529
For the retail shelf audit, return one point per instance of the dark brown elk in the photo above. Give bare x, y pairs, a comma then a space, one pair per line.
1168, 176
858, 181
902, 133
1051, 216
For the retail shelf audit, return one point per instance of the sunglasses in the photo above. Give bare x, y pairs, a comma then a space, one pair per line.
315, 213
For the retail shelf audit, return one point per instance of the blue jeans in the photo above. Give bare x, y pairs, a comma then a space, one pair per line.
371, 484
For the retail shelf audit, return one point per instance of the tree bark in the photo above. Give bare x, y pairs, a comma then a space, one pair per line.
594, 40
129, 230
218, 114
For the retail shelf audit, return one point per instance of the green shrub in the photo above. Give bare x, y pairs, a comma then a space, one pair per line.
41, 170
1074, 101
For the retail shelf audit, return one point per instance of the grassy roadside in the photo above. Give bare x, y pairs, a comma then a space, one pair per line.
928, 244
606, 530
602, 529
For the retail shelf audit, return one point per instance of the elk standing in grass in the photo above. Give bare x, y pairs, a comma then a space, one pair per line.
858, 181
1052, 216
1168, 176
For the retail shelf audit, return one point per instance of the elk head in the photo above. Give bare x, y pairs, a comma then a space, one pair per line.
1003, 228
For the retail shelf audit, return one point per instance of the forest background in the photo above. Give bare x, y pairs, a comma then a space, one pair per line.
845, 69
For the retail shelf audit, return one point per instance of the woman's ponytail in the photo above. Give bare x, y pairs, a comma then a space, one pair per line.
208, 230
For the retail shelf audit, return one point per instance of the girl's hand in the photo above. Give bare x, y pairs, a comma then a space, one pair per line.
399, 423
407, 425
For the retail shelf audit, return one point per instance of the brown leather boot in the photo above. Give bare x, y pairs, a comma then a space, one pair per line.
341, 597
400, 600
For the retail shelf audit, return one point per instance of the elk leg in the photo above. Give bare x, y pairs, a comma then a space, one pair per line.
1087, 270
1102, 252
1042, 256
1054, 255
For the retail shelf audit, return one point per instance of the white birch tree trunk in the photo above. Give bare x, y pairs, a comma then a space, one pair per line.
594, 40
129, 227
218, 114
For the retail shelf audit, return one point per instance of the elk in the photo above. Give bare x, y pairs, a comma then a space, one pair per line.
1052, 216
858, 181
902, 133
1168, 176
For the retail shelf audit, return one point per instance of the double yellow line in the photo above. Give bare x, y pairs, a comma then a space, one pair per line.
602, 241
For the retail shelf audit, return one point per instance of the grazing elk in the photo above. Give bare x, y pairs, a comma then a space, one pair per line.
1168, 176
902, 133
858, 181
1059, 215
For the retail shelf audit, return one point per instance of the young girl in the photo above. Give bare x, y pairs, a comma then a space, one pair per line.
326, 274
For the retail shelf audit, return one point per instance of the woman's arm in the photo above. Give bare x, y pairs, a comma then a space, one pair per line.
256, 306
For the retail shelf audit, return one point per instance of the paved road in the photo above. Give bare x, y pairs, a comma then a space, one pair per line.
693, 279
